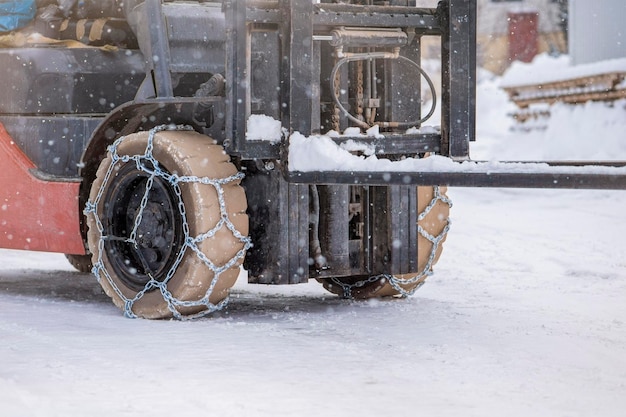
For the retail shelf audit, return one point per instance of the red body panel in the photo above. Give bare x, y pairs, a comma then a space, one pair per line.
35, 214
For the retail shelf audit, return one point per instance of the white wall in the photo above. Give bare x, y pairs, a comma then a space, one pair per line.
597, 30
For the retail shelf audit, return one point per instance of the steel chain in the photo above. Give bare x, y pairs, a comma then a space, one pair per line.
336, 116
359, 90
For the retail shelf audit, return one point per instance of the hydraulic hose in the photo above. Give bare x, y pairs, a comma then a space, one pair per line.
352, 57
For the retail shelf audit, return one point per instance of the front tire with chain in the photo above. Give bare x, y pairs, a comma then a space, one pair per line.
433, 207
164, 245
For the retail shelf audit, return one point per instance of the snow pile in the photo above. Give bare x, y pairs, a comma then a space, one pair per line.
593, 131
316, 153
266, 128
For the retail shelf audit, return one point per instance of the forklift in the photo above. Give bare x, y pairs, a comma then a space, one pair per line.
157, 144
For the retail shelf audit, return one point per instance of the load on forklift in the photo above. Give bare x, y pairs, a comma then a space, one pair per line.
131, 143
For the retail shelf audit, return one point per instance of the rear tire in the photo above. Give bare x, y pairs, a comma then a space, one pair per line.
82, 263
433, 207
175, 250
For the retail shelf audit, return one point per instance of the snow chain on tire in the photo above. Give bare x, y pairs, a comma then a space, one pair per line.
191, 306
432, 227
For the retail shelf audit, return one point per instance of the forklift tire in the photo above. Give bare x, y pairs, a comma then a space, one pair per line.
82, 263
160, 243
434, 223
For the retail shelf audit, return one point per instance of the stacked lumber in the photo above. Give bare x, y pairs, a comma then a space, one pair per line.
574, 85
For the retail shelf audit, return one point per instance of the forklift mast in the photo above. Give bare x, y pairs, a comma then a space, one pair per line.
317, 67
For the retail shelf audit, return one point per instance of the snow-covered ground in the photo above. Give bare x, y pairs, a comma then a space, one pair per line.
525, 315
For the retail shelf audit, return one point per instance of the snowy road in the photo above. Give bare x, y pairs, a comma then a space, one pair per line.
525, 315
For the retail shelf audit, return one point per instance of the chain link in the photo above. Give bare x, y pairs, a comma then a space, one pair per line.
149, 165
359, 90
336, 116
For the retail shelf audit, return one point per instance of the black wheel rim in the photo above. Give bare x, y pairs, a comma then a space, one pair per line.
158, 235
